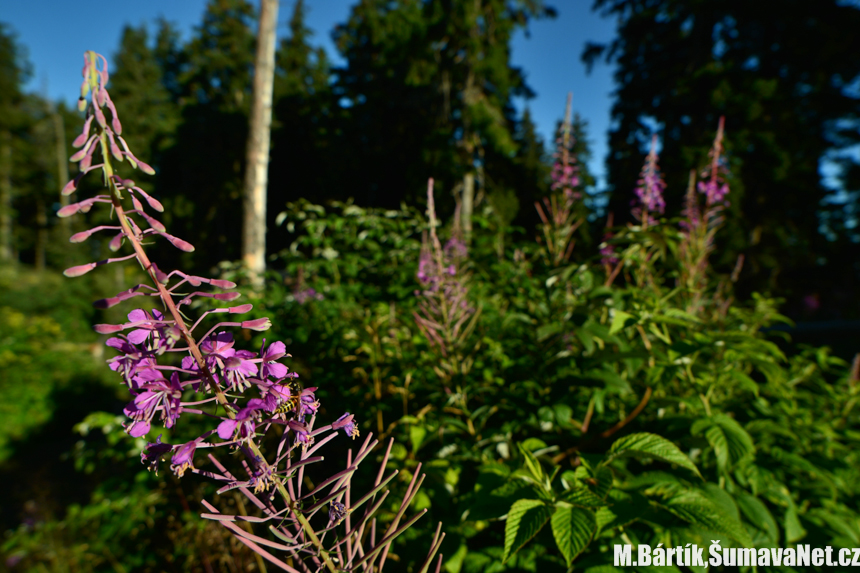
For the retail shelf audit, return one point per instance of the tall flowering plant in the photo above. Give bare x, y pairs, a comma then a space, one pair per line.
649, 190
702, 219
559, 219
445, 316
246, 397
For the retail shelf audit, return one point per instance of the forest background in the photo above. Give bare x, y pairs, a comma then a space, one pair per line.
427, 89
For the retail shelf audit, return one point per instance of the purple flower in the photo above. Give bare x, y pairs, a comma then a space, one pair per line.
713, 191
144, 331
301, 433
138, 428
151, 454
425, 267
218, 344
456, 248
347, 424
238, 367
336, 513
308, 404
245, 422
183, 458
159, 394
269, 367
303, 296
607, 252
261, 477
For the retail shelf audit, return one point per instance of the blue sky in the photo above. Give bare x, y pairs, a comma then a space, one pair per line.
57, 32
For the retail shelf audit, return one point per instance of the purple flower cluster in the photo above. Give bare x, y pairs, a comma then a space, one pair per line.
565, 171
171, 372
649, 190
444, 308
703, 220
713, 185
558, 216
304, 295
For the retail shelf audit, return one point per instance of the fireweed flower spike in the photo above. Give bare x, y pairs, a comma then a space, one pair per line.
649, 190
209, 365
558, 216
445, 316
701, 222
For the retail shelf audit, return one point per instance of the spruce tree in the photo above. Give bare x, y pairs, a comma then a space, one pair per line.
780, 76
201, 174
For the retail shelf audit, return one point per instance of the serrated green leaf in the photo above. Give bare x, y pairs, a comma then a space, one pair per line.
647, 445
583, 497
572, 528
525, 519
731, 443
693, 507
604, 478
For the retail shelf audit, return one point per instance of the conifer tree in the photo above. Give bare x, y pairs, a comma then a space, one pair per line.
13, 72
303, 144
780, 76
201, 174
137, 82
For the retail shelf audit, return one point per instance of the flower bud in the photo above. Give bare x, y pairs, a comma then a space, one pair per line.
108, 328
79, 270
259, 324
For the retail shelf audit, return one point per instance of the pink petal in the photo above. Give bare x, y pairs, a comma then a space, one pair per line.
226, 429
137, 315
138, 429
138, 336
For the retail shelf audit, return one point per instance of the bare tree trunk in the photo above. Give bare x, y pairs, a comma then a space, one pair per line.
257, 158
5, 197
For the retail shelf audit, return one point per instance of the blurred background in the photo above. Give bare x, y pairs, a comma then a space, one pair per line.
371, 98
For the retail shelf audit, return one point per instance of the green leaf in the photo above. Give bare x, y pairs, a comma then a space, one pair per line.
793, 529
744, 381
693, 507
572, 528
758, 515
619, 321
646, 445
532, 464
730, 441
546, 330
583, 497
416, 436
525, 519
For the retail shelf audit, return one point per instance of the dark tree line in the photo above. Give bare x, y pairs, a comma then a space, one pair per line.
786, 78
428, 90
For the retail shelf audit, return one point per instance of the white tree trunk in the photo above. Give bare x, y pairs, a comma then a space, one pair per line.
257, 158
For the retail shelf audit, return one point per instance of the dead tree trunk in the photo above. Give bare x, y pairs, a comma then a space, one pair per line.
257, 157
